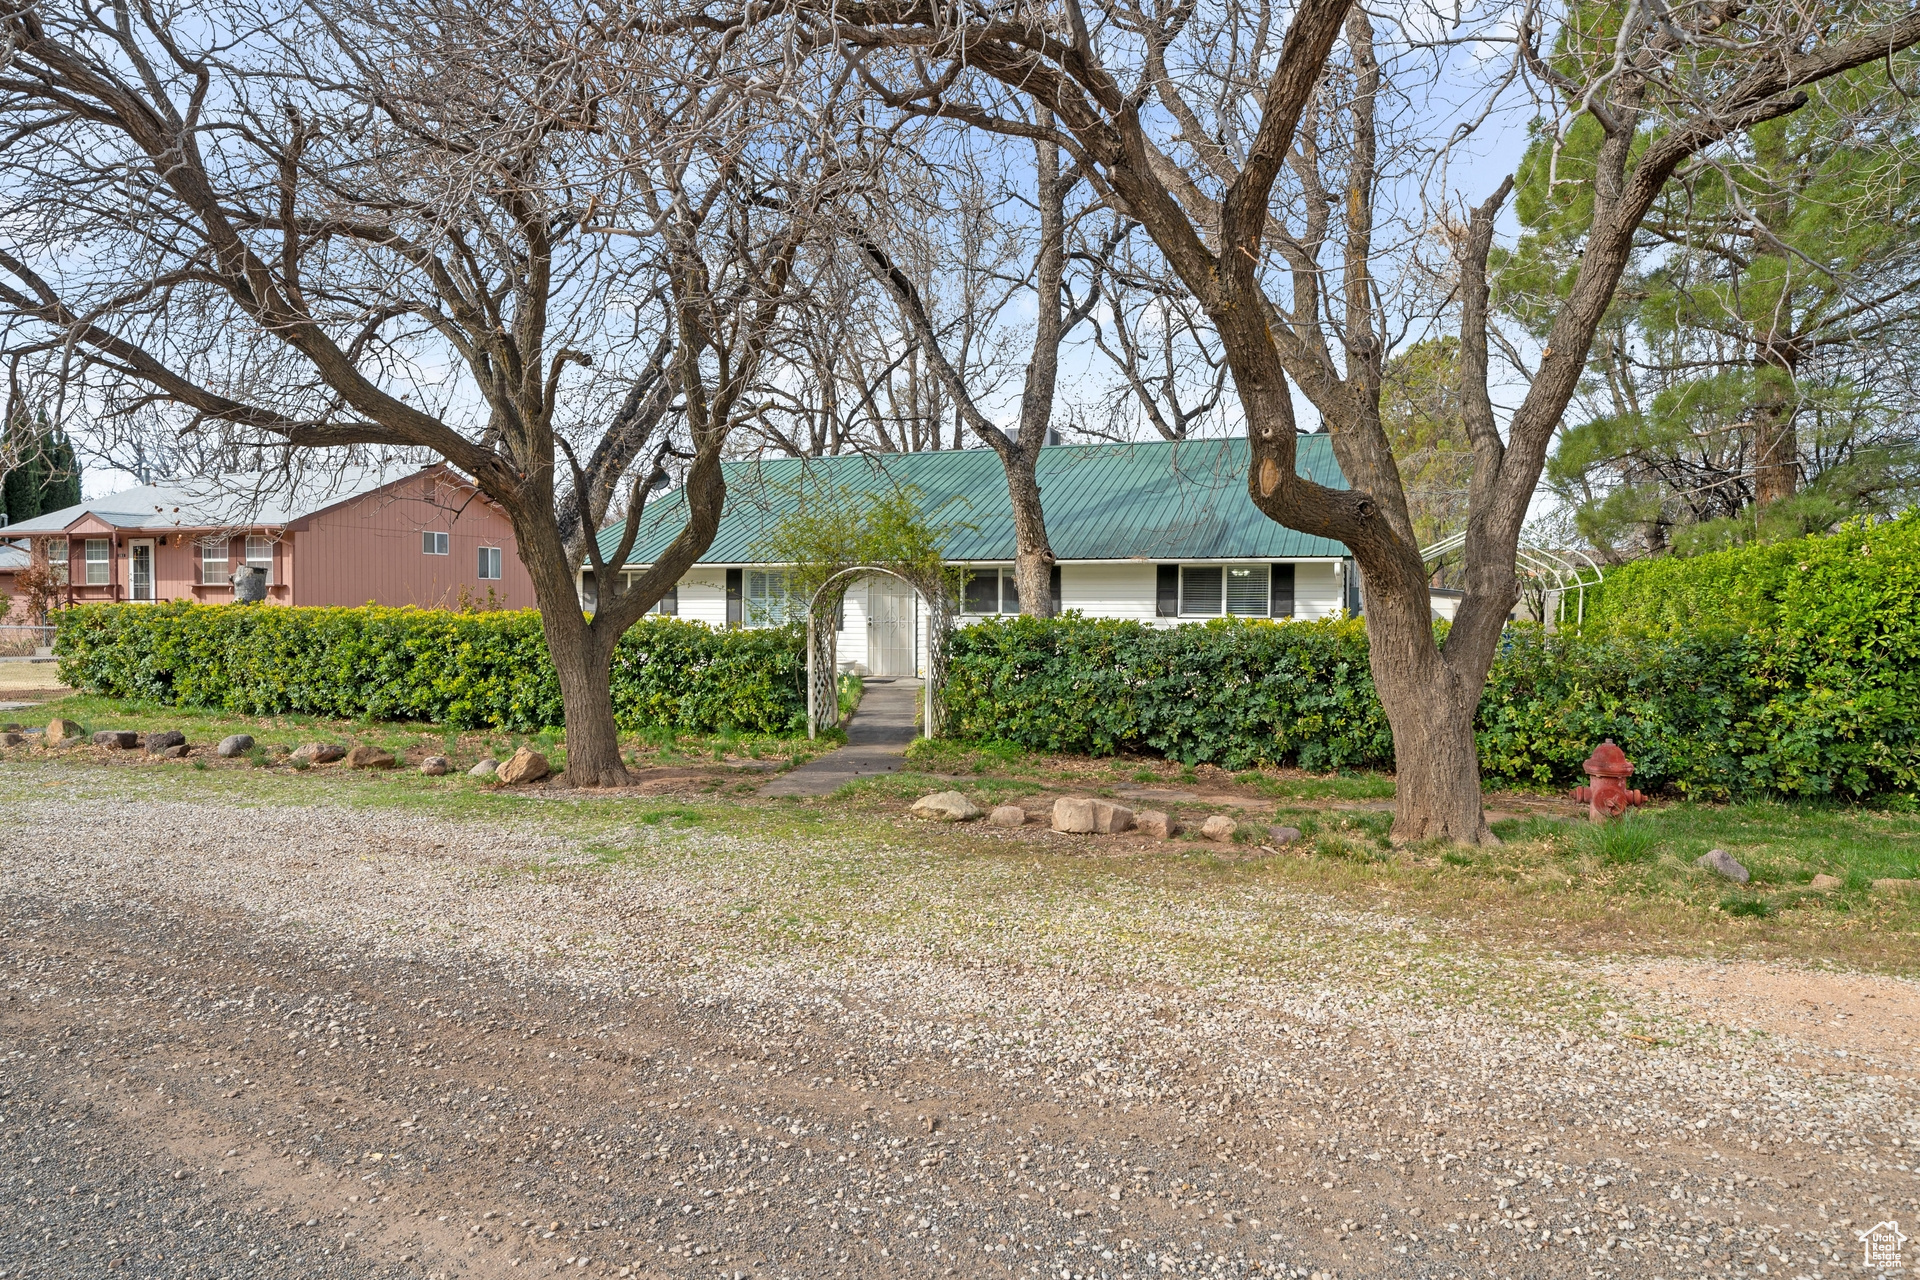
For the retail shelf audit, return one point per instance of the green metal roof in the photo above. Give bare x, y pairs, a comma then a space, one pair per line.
1159, 500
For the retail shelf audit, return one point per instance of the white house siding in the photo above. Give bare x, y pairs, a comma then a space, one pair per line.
1316, 589
1123, 589
703, 597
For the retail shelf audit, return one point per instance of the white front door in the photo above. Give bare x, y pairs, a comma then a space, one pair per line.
890, 618
140, 571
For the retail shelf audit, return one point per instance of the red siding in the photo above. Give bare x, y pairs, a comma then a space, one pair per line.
368, 549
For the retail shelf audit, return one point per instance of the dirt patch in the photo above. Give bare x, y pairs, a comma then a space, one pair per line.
1870, 1017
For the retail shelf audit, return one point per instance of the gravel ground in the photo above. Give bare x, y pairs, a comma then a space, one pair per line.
254, 1040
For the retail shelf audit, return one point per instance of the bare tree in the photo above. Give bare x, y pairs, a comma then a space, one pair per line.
1186, 119
399, 227
1057, 313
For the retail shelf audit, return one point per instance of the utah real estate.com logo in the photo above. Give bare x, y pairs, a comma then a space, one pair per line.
1881, 1245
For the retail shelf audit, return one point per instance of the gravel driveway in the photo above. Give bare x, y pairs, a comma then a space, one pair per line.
246, 1037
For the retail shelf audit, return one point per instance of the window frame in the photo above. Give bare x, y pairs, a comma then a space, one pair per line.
759, 612
252, 561
1260, 571
104, 560
490, 558
225, 550
1006, 591
435, 543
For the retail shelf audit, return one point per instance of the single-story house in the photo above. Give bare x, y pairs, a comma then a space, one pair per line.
1162, 532
423, 537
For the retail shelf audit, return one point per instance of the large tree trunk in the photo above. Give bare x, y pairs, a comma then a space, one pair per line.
583, 660
1033, 555
1776, 443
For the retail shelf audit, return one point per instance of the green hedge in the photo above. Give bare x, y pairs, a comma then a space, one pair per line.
1707, 716
469, 670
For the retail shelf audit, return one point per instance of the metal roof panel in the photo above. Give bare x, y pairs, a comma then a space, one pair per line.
1158, 500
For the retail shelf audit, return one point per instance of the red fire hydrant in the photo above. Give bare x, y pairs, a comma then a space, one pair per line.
1609, 796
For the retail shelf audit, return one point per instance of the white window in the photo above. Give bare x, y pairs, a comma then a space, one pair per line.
1210, 591
434, 544
97, 567
767, 602
489, 563
213, 561
260, 556
57, 558
990, 591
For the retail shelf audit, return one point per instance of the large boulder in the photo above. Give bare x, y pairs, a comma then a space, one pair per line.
1152, 822
526, 765
58, 730
1722, 862
1219, 827
365, 757
1110, 818
1008, 815
319, 752
234, 744
1073, 815
117, 739
945, 806
178, 751
159, 743
436, 766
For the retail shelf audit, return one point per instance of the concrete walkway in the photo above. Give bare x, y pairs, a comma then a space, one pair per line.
877, 741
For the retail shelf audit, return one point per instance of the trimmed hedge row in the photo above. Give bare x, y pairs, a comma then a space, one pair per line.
468, 670
1708, 717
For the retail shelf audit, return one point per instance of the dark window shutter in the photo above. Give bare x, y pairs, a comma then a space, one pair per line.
1282, 591
736, 597
1053, 585
1166, 590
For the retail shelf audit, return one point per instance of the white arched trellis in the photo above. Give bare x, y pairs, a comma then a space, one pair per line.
823, 668
1557, 572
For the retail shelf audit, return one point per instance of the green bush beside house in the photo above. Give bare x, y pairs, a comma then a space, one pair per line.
1790, 670
466, 670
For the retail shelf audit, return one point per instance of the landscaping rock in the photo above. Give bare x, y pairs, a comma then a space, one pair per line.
1899, 888
75, 741
61, 730
178, 751
165, 740
1008, 815
1073, 815
1721, 861
11, 726
319, 752
1219, 827
234, 745
485, 769
365, 757
1282, 835
8, 738
1824, 882
526, 765
1110, 818
117, 739
1152, 822
945, 806
435, 766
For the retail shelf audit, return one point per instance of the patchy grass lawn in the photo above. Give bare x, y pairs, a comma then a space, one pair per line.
1555, 881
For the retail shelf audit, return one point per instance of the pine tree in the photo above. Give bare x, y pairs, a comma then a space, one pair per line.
45, 475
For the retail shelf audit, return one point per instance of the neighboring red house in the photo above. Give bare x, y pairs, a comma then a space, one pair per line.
426, 538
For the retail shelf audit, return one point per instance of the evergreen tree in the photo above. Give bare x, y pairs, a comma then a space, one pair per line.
1751, 380
42, 473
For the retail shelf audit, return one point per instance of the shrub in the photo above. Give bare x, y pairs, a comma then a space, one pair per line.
468, 670
1711, 715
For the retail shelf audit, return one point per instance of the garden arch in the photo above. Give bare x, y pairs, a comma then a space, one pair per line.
823, 692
